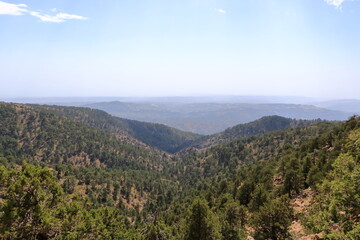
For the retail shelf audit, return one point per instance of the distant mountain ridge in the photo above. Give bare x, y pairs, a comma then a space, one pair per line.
345, 105
211, 118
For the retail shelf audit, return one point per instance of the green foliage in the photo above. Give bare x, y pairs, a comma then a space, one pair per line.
155, 231
47, 138
233, 222
35, 207
258, 198
200, 222
97, 182
156, 135
293, 180
104, 223
31, 197
254, 128
260, 126
272, 221
338, 204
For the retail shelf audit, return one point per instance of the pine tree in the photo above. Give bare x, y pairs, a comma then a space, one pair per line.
32, 194
273, 220
200, 224
233, 222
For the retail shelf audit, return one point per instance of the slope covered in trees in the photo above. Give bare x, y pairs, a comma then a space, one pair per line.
156, 135
260, 126
110, 171
264, 184
48, 138
64, 179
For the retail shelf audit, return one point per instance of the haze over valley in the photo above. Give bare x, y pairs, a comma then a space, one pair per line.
209, 114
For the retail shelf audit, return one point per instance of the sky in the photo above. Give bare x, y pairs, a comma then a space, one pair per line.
67, 48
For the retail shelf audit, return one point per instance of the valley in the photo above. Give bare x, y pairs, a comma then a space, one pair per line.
113, 178
211, 118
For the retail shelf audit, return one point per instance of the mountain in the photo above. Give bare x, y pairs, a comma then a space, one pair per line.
156, 135
28, 132
285, 184
345, 105
66, 173
78, 101
260, 126
210, 118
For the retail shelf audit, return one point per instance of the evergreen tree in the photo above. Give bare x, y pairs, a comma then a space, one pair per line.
273, 220
258, 198
155, 231
233, 222
337, 207
31, 197
293, 180
200, 223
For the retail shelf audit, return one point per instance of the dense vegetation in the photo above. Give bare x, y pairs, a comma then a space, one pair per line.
156, 135
260, 126
46, 138
62, 178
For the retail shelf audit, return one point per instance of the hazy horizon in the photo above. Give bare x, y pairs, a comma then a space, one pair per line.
287, 98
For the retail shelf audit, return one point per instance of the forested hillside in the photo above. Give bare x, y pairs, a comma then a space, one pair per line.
107, 169
280, 185
156, 135
45, 137
69, 173
260, 126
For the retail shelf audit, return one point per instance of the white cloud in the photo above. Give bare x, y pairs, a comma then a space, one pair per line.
20, 9
219, 10
12, 9
337, 3
58, 18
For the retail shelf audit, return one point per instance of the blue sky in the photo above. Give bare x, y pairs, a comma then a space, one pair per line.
180, 47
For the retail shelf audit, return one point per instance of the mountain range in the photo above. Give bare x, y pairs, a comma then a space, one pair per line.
210, 118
